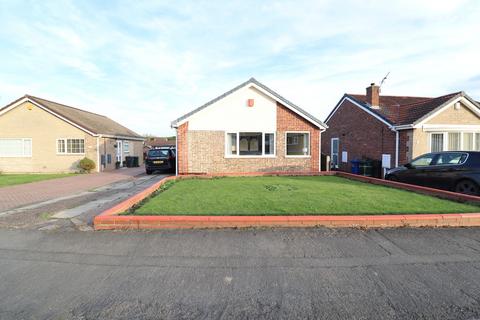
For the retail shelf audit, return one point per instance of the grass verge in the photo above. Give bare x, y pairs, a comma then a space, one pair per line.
315, 195
14, 179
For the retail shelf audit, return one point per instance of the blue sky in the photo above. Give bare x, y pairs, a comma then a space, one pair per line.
145, 63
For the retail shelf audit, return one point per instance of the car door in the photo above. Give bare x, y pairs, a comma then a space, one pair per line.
418, 170
446, 168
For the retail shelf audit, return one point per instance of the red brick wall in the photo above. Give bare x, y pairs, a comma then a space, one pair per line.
287, 120
204, 151
182, 152
360, 134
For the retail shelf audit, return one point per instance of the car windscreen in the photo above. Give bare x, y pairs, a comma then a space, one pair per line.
158, 153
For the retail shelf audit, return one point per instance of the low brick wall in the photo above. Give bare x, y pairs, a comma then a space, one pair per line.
110, 220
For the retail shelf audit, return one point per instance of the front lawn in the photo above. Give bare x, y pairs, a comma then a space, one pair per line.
290, 196
12, 179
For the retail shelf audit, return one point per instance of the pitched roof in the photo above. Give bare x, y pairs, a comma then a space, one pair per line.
278, 97
404, 110
93, 122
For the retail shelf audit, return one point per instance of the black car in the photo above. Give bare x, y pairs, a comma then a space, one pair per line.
160, 159
457, 171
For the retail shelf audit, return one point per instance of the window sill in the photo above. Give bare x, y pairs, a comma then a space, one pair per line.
297, 156
251, 157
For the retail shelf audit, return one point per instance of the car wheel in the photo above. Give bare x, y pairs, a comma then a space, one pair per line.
149, 171
392, 178
467, 187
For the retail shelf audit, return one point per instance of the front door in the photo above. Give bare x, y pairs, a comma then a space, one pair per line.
334, 153
120, 152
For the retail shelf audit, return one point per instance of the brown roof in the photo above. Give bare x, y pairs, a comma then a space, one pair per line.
160, 141
93, 122
402, 110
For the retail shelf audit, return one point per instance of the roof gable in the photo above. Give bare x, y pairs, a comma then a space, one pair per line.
92, 123
263, 89
404, 110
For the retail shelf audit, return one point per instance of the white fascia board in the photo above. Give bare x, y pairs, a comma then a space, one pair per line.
362, 108
121, 137
286, 105
26, 99
446, 105
268, 94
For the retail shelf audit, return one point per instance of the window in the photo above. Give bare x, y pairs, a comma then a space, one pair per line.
253, 144
334, 153
454, 141
70, 146
269, 143
158, 153
231, 143
451, 158
21, 147
468, 141
425, 160
437, 142
298, 144
126, 147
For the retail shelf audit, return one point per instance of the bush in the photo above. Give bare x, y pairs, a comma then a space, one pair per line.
86, 165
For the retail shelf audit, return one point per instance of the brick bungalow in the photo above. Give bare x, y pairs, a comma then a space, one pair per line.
38, 135
399, 128
248, 129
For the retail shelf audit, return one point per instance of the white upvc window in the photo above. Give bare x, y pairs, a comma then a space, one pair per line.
454, 141
15, 147
70, 146
250, 144
297, 144
126, 147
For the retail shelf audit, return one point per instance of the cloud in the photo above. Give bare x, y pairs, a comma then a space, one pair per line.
148, 63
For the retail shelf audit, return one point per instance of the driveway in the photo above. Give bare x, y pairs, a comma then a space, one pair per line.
24, 194
241, 274
70, 203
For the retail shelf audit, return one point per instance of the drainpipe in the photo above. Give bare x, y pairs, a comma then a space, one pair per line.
98, 155
176, 151
397, 138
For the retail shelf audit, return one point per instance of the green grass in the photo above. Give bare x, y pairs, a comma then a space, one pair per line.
12, 179
290, 196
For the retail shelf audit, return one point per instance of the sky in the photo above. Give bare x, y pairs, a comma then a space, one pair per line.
146, 63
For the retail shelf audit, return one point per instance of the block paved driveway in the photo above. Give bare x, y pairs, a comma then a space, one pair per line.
241, 274
24, 194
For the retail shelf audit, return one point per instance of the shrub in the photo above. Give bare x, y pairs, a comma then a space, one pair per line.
86, 165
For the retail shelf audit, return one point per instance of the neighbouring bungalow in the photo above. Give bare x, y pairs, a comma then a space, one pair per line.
37, 135
397, 129
250, 128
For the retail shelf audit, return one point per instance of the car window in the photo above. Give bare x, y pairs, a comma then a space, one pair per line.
158, 153
424, 160
451, 158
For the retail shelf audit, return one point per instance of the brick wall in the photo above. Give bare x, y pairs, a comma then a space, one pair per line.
206, 150
182, 152
361, 135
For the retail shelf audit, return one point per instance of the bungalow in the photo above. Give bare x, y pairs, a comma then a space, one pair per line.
250, 128
37, 135
396, 129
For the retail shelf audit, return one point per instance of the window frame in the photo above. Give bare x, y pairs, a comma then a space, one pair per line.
263, 155
309, 145
23, 148
66, 147
446, 142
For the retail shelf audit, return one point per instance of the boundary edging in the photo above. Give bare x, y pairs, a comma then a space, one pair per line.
111, 220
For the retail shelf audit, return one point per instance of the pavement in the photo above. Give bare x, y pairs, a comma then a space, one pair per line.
70, 203
314, 273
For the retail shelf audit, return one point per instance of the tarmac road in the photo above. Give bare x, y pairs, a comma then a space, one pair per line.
241, 274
